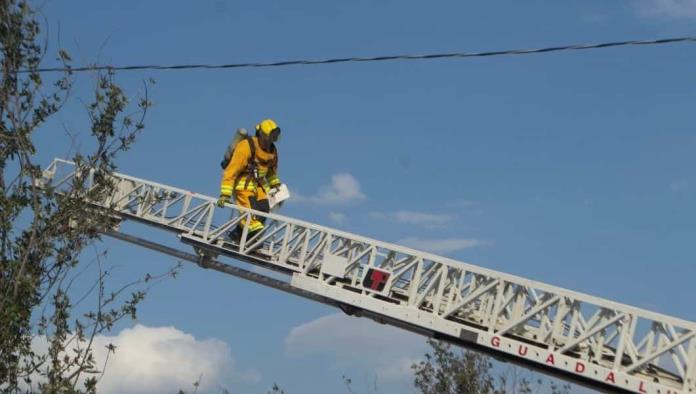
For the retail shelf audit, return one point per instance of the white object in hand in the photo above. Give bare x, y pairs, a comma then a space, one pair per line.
277, 195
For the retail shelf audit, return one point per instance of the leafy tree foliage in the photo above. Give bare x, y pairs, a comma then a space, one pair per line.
44, 231
449, 371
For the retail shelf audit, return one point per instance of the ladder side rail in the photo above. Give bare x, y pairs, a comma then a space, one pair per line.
586, 298
314, 260
691, 371
444, 260
527, 316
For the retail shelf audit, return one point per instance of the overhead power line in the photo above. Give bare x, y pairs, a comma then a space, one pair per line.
573, 47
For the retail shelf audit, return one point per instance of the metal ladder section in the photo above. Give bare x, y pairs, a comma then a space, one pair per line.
581, 338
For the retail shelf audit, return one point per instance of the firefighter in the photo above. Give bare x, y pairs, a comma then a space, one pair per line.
250, 172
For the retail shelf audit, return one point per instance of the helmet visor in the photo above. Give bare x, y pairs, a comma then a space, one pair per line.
274, 135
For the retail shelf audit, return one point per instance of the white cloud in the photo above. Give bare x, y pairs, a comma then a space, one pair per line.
412, 217
444, 245
344, 188
387, 350
337, 217
669, 8
162, 360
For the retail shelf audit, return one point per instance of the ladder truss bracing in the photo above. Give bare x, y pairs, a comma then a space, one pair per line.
587, 339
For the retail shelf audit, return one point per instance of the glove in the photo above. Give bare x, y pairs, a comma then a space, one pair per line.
223, 200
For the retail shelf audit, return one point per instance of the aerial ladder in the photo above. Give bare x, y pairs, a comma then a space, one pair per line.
588, 340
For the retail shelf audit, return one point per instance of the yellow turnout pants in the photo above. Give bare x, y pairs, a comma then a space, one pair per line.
254, 199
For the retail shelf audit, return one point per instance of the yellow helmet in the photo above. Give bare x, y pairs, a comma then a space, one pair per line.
267, 126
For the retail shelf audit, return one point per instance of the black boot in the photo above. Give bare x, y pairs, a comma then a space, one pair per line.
235, 235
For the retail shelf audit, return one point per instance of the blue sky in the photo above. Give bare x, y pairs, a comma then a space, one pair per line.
574, 169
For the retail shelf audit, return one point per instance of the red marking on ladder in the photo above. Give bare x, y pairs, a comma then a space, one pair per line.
522, 350
610, 378
579, 367
378, 278
550, 360
375, 279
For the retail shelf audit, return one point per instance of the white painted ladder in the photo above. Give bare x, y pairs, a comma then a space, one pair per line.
581, 338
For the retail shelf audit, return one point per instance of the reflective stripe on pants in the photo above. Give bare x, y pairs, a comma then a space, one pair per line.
255, 200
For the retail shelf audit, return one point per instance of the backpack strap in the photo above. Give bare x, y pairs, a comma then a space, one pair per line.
275, 154
252, 149
271, 162
251, 165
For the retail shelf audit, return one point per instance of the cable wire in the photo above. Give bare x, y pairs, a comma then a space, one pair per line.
573, 47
